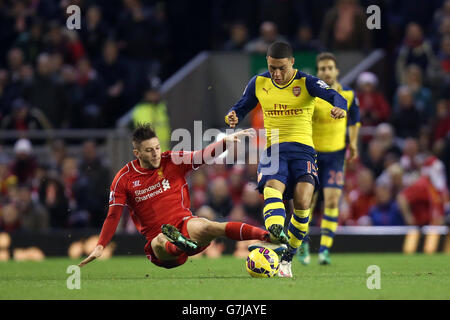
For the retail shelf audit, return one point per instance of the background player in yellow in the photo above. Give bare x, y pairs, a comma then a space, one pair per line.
287, 167
329, 136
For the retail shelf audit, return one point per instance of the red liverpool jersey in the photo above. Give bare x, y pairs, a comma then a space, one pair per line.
153, 196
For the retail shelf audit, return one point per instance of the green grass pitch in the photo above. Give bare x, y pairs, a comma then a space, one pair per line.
402, 277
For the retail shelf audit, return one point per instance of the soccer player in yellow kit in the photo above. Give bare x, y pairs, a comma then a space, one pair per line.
287, 167
329, 136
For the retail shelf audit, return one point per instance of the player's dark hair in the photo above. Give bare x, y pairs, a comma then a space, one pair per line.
142, 132
280, 50
326, 56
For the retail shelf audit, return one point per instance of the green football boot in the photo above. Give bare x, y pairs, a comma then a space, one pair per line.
324, 257
303, 253
174, 236
277, 234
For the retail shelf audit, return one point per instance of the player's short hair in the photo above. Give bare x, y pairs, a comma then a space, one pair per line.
280, 50
326, 56
142, 132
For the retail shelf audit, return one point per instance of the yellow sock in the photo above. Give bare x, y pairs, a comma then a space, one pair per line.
298, 227
274, 211
328, 227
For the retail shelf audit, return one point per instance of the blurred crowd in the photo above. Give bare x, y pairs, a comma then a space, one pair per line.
64, 191
53, 77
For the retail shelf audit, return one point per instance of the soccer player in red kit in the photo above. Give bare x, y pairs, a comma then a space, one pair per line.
154, 189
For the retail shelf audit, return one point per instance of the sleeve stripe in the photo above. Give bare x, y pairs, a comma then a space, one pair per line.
117, 182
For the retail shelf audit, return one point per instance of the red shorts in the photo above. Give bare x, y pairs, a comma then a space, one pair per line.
182, 258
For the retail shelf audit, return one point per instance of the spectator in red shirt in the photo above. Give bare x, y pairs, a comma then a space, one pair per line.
373, 106
361, 199
422, 203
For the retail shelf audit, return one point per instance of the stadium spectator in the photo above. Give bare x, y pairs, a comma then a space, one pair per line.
443, 74
236, 183
304, 40
442, 124
344, 27
24, 164
393, 177
33, 215
373, 159
199, 189
114, 73
373, 106
415, 49
52, 196
251, 208
219, 199
385, 211
7, 179
95, 180
94, 31
268, 33
238, 37
90, 94
422, 203
407, 119
154, 110
31, 41
23, 118
9, 218
47, 95
15, 62
421, 95
384, 133
361, 199
410, 161
443, 31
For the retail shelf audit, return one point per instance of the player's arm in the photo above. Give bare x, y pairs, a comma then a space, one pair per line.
318, 88
246, 104
109, 228
353, 122
117, 201
215, 149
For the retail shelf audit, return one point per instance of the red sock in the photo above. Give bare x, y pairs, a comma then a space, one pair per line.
242, 231
172, 249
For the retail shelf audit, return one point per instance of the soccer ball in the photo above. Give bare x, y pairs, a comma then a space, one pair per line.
262, 263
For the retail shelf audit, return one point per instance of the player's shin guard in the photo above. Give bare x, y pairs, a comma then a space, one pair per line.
274, 211
298, 227
328, 228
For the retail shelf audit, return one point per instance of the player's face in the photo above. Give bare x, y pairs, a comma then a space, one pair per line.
327, 71
149, 153
281, 70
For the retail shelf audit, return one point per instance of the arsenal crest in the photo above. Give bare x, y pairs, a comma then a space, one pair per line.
296, 91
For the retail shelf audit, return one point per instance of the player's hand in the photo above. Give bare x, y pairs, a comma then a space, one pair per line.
353, 153
233, 120
96, 253
338, 113
238, 135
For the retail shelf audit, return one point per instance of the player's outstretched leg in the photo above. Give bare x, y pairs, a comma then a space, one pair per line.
175, 237
204, 231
